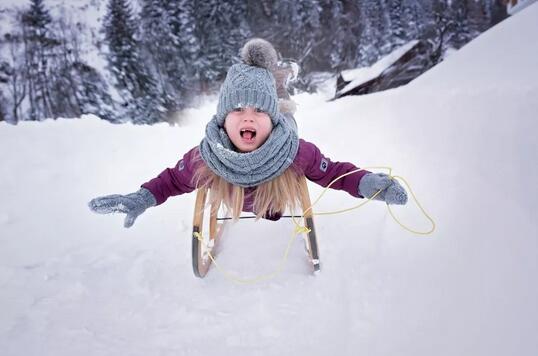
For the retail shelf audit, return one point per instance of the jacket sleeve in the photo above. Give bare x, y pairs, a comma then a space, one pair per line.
177, 180
322, 170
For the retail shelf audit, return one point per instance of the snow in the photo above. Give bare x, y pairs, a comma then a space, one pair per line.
359, 76
464, 136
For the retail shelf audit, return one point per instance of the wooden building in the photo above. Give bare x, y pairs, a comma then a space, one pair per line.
513, 6
398, 68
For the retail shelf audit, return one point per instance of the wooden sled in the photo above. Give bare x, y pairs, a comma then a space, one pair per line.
201, 248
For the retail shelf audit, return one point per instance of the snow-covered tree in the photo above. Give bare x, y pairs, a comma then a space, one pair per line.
371, 36
4, 78
166, 52
397, 32
161, 45
92, 93
221, 28
347, 36
183, 25
15, 72
333, 19
39, 43
142, 101
479, 16
413, 18
459, 13
302, 22
170, 36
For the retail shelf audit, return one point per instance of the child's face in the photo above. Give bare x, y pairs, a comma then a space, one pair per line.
247, 128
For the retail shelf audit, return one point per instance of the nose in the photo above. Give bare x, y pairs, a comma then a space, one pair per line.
248, 115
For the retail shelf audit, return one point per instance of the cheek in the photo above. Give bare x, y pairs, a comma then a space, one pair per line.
232, 134
228, 126
227, 123
267, 128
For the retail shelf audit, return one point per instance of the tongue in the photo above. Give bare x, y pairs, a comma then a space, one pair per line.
247, 135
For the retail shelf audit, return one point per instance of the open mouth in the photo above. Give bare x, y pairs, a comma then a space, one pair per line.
248, 134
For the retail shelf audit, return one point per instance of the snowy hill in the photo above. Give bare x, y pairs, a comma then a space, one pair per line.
463, 134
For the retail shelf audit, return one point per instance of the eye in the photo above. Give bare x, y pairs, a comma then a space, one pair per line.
238, 109
259, 110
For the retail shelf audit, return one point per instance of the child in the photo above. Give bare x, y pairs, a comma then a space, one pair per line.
251, 156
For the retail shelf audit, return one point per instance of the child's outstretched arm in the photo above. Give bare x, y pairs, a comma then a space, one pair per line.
362, 184
170, 182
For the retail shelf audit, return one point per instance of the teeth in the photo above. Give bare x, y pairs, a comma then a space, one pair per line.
242, 131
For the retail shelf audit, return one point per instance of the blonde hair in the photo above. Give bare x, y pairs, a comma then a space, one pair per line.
270, 197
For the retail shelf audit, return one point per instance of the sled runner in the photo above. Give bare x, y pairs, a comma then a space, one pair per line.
207, 231
202, 246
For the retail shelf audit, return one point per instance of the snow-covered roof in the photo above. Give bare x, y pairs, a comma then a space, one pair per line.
359, 76
514, 6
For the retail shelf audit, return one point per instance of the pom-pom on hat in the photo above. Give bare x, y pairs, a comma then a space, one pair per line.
251, 83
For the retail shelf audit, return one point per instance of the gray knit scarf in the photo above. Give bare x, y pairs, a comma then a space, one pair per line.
251, 168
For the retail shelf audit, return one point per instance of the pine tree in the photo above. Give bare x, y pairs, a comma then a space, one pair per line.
183, 26
221, 28
417, 18
142, 100
4, 78
496, 11
397, 36
442, 29
2, 109
38, 54
161, 48
64, 93
460, 19
15, 71
298, 31
479, 17
307, 35
351, 32
93, 92
370, 38
332, 20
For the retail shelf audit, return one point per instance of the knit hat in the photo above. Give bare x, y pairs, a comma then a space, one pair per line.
251, 83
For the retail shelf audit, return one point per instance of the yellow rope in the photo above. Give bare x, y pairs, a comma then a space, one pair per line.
299, 229
260, 278
389, 169
420, 207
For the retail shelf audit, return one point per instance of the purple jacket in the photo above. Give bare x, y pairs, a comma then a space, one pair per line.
309, 161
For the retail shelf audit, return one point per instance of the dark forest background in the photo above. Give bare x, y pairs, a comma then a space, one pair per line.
161, 55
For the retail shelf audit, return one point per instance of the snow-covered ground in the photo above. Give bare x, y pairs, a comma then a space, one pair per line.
464, 135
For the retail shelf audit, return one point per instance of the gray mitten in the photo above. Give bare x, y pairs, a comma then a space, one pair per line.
391, 191
132, 204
